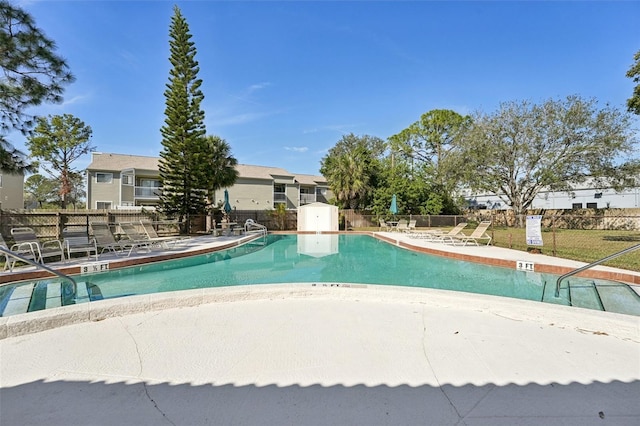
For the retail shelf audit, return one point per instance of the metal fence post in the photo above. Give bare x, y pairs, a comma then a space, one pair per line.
553, 232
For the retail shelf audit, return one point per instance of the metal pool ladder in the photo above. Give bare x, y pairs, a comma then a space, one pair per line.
591, 265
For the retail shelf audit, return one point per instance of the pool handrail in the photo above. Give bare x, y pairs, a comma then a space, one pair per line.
38, 265
591, 265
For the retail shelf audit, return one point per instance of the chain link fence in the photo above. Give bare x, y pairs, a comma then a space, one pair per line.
586, 236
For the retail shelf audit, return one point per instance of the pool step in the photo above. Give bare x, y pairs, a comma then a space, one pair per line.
618, 297
604, 296
45, 295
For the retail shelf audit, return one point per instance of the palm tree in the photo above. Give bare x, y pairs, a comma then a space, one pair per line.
221, 170
350, 168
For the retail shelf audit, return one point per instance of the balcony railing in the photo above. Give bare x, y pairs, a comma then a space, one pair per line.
279, 197
307, 198
147, 192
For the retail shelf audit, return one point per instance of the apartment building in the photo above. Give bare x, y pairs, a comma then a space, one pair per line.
120, 181
11, 191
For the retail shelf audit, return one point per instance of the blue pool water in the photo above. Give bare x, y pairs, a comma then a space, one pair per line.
318, 259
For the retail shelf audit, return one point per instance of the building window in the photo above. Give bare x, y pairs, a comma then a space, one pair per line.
103, 205
104, 177
127, 180
592, 205
576, 205
598, 195
279, 193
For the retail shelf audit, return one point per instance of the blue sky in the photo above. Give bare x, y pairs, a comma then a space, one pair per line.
283, 81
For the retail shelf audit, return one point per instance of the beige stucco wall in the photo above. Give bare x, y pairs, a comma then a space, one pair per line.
249, 194
293, 197
103, 191
11, 191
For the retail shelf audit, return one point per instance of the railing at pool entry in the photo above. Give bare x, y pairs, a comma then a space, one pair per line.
38, 265
591, 265
69, 294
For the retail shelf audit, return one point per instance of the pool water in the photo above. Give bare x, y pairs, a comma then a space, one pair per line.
319, 259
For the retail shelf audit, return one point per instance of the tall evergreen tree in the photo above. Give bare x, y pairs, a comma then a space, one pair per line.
183, 160
31, 74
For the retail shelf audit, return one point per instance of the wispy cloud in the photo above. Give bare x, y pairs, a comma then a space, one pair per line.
297, 148
340, 128
235, 119
246, 94
128, 59
258, 86
74, 100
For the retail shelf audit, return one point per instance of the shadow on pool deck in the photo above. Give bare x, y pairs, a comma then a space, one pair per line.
100, 403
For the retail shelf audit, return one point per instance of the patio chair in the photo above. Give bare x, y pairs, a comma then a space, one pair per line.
411, 227
132, 234
402, 226
384, 226
480, 233
77, 241
26, 240
152, 235
448, 236
106, 241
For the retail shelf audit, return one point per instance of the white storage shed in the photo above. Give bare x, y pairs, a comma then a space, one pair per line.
318, 217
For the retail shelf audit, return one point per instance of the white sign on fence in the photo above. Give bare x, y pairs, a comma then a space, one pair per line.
534, 230
94, 267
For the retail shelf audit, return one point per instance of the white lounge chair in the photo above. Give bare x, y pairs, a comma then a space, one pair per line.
448, 237
478, 234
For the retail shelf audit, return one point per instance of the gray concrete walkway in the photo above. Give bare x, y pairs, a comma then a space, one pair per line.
305, 355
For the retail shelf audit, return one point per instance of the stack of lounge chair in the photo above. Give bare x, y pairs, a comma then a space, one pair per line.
106, 241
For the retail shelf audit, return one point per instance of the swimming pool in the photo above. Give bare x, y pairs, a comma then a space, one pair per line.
316, 259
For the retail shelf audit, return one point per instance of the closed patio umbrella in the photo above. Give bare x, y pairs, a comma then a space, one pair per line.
226, 207
394, 205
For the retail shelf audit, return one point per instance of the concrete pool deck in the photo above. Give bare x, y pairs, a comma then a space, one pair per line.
321, 355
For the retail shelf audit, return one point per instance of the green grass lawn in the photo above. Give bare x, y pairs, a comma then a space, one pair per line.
577, 244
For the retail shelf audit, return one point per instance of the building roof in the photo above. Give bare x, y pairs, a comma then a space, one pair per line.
310, 180
117, 162
261, 172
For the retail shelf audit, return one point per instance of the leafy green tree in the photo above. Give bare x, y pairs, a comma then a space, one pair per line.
633, 103
221, 168
41, 190
31, 74
412, 185
522, 148
351, 168
58, 141
184, 158
432, 140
